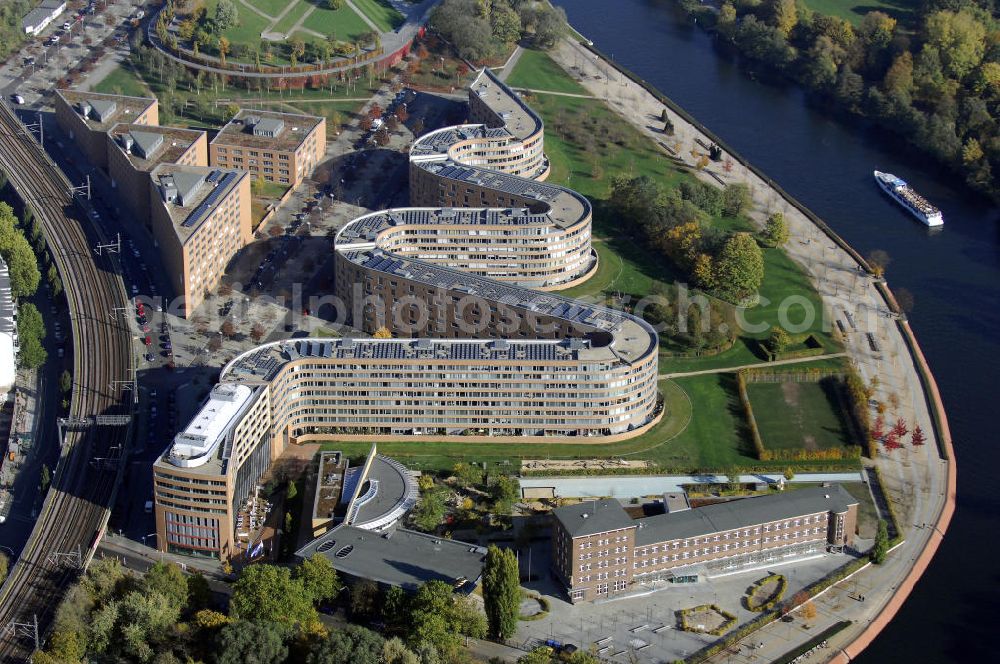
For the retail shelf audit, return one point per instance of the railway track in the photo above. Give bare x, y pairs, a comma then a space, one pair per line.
77, 506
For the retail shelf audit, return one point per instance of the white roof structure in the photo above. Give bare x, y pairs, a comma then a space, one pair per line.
36, 20
8, 332
198, 442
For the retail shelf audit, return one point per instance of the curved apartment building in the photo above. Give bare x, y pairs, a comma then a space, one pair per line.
480, 350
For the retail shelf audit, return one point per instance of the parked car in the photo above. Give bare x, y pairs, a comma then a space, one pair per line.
17, 99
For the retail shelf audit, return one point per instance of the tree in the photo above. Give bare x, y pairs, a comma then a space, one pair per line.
168, 580
65, 382
269, 593
291, 491
505, 23
319, 578
735, 199
739, 268
960, 37
257, 332
395, 609
899, 429
434, 618
259, 642
395, 652
227, 329
18, 254
351, 645
808, 610
783, 15
4, 566
30, 332
333, 4
917, 438
776, 229
430, 510
879, 261
779, 340
501, 592
45, 478
881, 546
382, 333
789, 474
199, 593
226, 15
364, 600
223, 49
468, 474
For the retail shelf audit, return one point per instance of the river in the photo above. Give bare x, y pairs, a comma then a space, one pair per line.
954, 276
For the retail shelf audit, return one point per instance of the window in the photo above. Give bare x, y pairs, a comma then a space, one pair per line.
602, 589
576, 594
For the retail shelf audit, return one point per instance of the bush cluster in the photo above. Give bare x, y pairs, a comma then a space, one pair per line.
730, 619
775, 597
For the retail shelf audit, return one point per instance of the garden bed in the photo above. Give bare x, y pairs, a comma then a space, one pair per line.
705, 619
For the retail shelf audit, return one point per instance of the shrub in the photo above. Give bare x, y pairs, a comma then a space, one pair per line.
771, 601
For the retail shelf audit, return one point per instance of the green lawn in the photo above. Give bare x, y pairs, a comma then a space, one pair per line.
123, 81
345, 110
249, 27
854, 11
284, 26
381, 13
344, 23
537, 71
798, 415
272, 8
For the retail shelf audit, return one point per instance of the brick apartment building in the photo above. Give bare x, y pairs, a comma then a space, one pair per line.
86, 117
135, 150
200, 218
276, 147
598, 550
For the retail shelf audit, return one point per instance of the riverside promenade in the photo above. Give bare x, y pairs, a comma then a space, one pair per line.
920, 481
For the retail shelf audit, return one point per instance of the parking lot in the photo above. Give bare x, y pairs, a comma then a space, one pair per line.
644, 622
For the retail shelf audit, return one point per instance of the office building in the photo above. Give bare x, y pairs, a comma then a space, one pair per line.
598, 550
276, 147
86, 118
200, 218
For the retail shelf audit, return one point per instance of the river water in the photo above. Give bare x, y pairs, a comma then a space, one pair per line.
954, 276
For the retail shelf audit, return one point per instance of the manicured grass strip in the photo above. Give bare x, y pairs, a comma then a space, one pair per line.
344, 24
537, 71
272, 8
248, 28
123, 81
381, 13
853, 10
797, 415
291, 18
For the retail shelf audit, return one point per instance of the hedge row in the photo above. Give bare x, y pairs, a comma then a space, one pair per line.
590, 472
858, 394
705, 352
768, 617
741, 386
812, 374
895, 533
846, 452
773, 600
682, 615
827, 633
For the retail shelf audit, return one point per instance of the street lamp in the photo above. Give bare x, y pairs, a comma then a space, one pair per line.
145, 536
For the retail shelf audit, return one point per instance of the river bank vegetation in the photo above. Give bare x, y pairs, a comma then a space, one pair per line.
932, 75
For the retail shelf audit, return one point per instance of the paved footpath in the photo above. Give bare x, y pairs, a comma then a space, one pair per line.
756, 365
915, 478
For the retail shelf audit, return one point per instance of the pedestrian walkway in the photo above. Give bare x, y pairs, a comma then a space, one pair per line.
757, 365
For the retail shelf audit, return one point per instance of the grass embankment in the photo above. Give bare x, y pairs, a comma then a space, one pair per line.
537, 71
381, 13
344, 23
183, 104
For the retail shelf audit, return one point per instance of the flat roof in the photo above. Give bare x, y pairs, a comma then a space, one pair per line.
126, 109
329, 483
399, 557
296, 128
176, 142
8, 330
389, 493
196, 444
510, 110
201, 187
